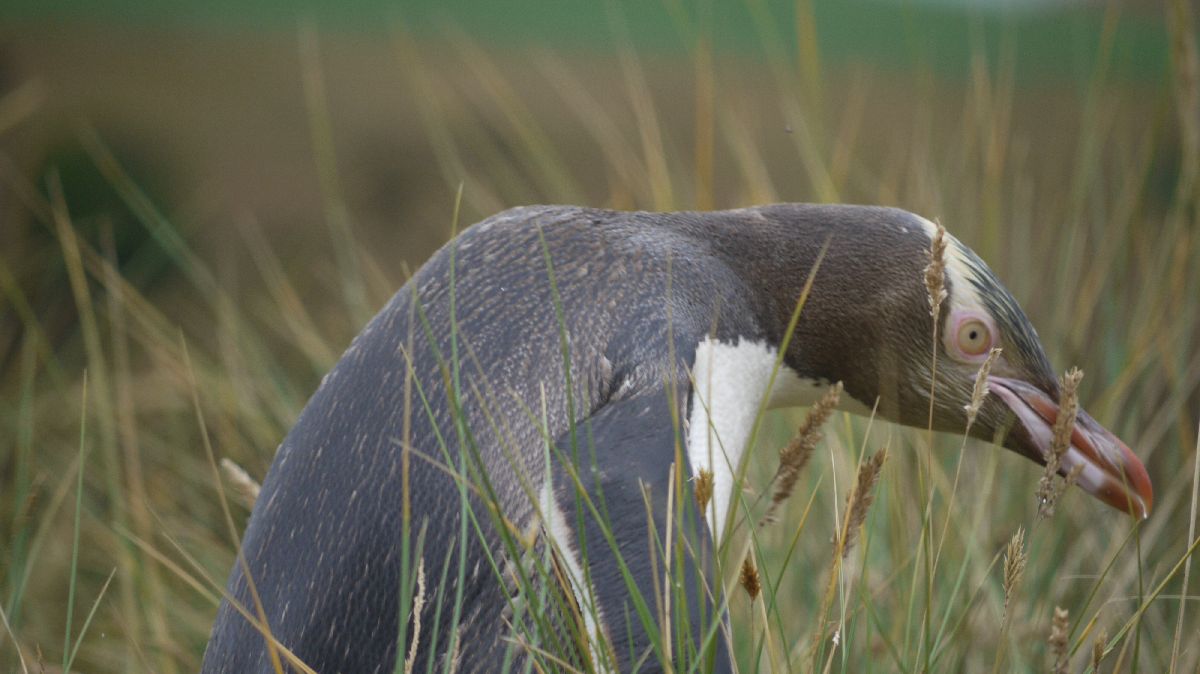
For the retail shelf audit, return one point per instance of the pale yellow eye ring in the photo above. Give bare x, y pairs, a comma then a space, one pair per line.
974, 338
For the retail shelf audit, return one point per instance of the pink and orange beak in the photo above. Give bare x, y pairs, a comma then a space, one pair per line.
1110, 470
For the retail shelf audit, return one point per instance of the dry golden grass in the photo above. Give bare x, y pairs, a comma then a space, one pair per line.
1086, 211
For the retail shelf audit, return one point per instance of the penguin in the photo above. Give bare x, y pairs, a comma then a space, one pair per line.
501, 466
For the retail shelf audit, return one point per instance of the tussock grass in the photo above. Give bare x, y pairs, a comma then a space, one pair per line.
1092, 224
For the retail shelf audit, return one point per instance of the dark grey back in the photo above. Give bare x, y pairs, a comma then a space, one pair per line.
636, 292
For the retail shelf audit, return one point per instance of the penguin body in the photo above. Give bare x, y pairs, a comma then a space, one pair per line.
567, 360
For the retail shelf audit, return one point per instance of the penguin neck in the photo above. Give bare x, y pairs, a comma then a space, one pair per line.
853, 273
733, 383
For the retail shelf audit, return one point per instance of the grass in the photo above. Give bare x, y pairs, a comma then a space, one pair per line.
1089, 212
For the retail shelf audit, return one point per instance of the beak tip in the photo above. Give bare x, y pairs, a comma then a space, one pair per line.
1112, 472
1141, 491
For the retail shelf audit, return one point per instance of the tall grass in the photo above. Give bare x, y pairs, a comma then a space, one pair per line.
1073, 217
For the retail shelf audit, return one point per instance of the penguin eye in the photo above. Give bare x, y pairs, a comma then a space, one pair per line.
974, 337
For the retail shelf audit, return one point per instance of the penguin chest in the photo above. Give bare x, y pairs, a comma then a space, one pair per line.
733, 383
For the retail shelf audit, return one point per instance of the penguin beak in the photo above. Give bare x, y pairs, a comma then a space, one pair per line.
1111, 471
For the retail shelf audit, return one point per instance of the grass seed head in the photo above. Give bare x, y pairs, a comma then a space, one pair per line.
1068, 404
749, 578
417, 607
1098, 646
796, 454
1049, 487
935, 272
1072, 477
1058, 640
980, 391
1014, 566
704, 490
243, 485
861, 498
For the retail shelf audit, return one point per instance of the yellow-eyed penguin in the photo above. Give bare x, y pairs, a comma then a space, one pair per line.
526, 394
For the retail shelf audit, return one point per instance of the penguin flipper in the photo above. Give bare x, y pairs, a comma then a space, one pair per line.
641, 560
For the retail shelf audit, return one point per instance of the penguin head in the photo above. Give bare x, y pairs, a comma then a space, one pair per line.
870, 324
1021, 405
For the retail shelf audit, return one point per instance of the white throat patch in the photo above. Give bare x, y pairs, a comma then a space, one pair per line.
730, 387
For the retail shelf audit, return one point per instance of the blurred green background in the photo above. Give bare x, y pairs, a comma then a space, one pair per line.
207, 108
255, 178
1056, 38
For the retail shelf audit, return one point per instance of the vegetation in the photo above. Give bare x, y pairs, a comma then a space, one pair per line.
118, 530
